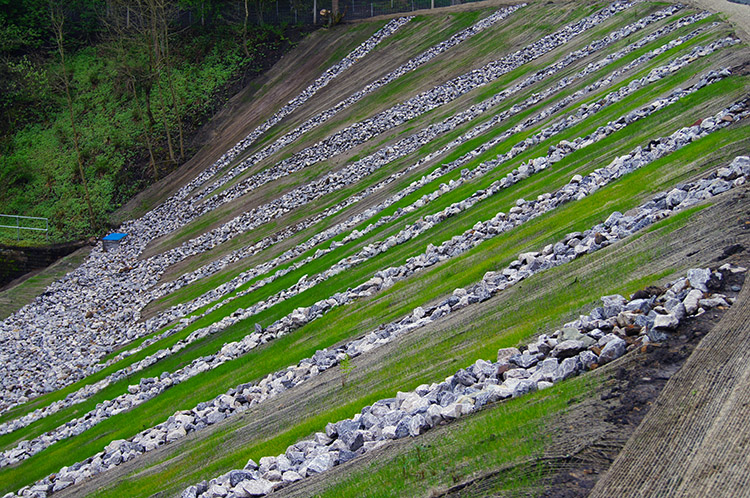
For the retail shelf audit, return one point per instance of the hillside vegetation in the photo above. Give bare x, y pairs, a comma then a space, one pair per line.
400, 199
136, 111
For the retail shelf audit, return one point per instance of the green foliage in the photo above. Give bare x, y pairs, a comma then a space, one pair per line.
346, 368
22, 24
39, 174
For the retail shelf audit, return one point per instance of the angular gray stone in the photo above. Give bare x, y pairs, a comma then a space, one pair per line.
524, 360
698, 278
692, 301
464, 378
402, 428
320, 463
252, 488
516, 373
675, 197
412, 402
567, 349
524, 387
546, 369
237, 476
588, 359
613, 305
290, 476
569, 334
417, 425
666, 322
176, 434
569, 367
214, 417
353, 440
504, 354
612, 350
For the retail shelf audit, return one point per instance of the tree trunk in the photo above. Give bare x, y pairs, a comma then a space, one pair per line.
146, 134
149, 112
244, 31
175, 103
154, 62
164, 119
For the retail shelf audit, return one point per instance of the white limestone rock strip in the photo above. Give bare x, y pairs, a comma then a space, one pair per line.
321, 82
253, 218
89, 390
578, 188
620, 325
128, 275
369, 128
294, 135
617, 226
169, 287
407, 67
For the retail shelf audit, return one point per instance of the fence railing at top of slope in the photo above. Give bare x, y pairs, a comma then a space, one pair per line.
308, 11
16, 224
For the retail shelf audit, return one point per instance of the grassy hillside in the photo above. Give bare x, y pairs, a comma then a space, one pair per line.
599, 80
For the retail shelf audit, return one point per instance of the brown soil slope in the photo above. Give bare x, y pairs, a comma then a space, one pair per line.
694, 440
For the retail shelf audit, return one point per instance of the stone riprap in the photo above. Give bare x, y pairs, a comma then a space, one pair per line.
655, 75
616, 227
321, 118
140, 230
360, 169
604, 335
151, 387
98, 302
127, 401
367, 129
181, 310
321, 82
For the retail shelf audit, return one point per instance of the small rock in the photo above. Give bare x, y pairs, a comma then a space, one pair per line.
666, 322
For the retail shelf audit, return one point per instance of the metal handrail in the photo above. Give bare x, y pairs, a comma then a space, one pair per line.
18, 226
